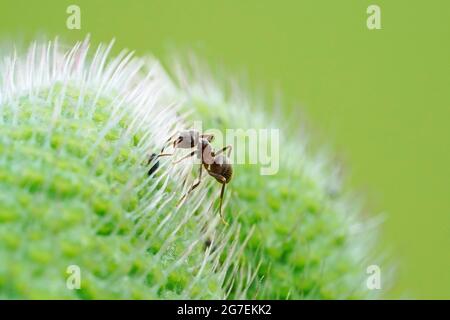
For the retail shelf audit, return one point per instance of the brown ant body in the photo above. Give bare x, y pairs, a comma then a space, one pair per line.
214, 162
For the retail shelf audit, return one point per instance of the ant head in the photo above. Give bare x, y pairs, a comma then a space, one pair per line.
178, 141
186, 139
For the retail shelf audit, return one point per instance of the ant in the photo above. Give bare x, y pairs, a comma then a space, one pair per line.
214, 162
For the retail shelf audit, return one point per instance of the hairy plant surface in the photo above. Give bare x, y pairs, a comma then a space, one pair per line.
76, 133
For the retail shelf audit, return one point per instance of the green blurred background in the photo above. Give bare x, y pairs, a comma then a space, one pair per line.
380, 98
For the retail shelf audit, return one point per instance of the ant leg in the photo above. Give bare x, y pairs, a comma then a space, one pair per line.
220, 203
167, 143
222, 191
208, 137
175, 142
185, 157
164, 155
228, 147
195, 185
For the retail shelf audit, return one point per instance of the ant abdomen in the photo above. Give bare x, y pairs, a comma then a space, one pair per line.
222, 166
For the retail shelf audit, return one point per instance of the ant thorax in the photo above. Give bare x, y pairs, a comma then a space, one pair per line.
205, 152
